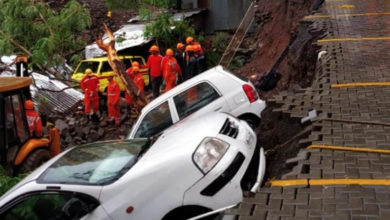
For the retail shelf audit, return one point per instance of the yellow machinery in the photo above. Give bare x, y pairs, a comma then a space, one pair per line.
19, 152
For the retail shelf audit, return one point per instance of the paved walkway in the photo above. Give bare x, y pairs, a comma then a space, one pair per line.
352, 114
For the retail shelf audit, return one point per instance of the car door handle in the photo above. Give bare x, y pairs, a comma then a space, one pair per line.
217, 109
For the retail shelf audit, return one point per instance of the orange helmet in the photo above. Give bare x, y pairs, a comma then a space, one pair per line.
28, 104
169, 52
189, 39
189, 48
197, 47
179, 46
153, 48
134, 63
135, 68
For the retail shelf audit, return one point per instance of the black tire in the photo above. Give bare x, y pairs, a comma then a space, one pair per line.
34, 160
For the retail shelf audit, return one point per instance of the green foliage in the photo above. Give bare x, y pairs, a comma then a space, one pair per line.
218, 44
48, 35
7, 182
167, 32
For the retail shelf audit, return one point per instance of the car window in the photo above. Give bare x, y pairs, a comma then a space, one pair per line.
38, 207
139, 60
96, 163
194, 99
106, 67
88, 64
127, 63
155, 121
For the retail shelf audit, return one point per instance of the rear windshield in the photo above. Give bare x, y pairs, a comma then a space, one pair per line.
95, 164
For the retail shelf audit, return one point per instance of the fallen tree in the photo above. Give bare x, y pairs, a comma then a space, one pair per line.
139, 99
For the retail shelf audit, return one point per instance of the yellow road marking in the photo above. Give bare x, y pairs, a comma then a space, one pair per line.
347, 15
340, 85
323, 182
357, 149
352, 39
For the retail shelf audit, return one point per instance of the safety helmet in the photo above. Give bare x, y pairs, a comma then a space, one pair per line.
189, 48
189, 39
88, 71
179, 46
135, 68
28, 104
134, 63
153, 48
169, 52
197, 47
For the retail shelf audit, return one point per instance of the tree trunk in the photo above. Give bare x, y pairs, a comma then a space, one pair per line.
139, 99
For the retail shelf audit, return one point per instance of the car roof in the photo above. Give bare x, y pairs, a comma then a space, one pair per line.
98, 59
203, 76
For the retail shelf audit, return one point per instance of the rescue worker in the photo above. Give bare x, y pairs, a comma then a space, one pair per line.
33, 119
170, 69
200, 59
190, 41
180, 58
154, 65
191, 64
113, 97
90, 85
138, 79
130, 73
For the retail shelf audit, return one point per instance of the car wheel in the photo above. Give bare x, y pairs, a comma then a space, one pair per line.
34, 160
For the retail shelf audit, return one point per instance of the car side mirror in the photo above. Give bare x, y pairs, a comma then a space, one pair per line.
75, 209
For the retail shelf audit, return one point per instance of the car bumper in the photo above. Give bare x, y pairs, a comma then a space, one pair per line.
222, 186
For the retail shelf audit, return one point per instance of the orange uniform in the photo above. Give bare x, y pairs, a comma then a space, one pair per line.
170, 70
113, 97
34, 122
90, 86
130, 73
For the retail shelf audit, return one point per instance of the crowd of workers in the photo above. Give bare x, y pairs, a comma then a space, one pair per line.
175, 67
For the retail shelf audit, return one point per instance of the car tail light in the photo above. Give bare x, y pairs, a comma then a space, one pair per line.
250, 92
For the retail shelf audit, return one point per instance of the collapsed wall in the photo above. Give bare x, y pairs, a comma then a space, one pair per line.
277, 25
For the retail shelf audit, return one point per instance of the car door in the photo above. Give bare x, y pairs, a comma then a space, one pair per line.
52, 205
153, 122
198, 100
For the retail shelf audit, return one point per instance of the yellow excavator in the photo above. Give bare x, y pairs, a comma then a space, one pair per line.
20, 152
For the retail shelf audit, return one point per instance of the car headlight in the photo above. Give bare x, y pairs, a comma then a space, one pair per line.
208, 153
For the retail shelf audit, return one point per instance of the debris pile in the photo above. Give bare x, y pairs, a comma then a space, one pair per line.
75, 129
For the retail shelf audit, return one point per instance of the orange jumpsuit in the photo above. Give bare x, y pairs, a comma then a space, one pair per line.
130, 73
34, 122
170, 70
113, 96
90, 86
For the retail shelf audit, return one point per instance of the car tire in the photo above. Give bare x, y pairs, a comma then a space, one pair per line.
34, 160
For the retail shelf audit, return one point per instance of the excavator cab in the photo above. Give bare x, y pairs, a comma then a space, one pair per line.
20, 152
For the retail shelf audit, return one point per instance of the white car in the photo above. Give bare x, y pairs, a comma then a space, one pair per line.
214, 90
193, 167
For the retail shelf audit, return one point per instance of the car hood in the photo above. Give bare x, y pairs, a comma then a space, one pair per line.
186, 135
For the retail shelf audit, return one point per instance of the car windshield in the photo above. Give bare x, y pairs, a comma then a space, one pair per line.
93, 65
98, 163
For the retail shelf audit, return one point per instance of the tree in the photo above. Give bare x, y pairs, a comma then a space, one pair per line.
168, 32
47, 37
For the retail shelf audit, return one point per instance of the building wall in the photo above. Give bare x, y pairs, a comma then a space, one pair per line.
222, 15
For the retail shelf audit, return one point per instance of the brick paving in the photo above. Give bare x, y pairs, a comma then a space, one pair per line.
365, 112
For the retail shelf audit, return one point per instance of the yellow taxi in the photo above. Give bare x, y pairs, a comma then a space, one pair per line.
101, 68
